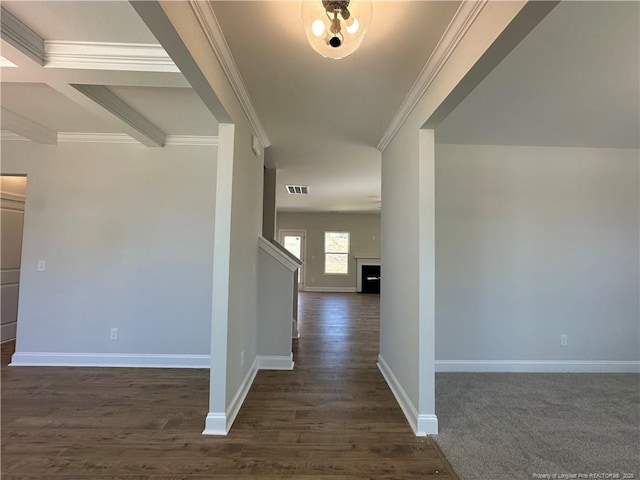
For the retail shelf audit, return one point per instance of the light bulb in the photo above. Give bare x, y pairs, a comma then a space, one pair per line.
353, 28
317, 27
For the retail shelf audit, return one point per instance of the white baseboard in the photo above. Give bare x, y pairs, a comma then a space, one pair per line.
51, 359
215, 424
538, 366
241, 394
331, 289
274, 362
421, 425
427, 425
8, 332
218, 423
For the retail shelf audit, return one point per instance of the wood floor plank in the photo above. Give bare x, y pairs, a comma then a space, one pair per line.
333, 417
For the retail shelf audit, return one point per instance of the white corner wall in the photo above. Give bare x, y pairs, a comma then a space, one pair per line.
276, 277
532, 243
407, 318
189, 33
127, 234
246, 227
399, 299
234, 355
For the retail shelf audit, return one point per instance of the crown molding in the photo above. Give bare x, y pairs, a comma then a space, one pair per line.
170, 140
190, 140
4, 63
460, 23
138, 57
7, 136
141, 129
28, 128
81, 137
21, 36
211, 28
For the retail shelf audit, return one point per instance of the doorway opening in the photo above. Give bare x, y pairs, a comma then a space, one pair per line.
13, 189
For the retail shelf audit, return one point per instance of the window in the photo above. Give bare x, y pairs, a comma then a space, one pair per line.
336, 253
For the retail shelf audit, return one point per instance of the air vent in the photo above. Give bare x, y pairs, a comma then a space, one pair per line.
298, 189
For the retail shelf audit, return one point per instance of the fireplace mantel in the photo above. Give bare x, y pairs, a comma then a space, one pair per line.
360, 261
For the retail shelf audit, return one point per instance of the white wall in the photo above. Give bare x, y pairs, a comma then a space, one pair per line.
127, 235
187, 33
407, 312
364, 232
246, 227
399, 321
532, 243
275, 307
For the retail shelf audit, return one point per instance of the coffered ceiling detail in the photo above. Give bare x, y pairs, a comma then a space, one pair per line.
76, 82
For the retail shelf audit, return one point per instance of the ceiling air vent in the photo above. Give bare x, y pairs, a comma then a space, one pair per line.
298, 189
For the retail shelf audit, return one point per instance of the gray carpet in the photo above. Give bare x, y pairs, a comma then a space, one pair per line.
496, 426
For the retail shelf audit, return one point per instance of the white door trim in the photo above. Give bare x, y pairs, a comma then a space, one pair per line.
303, 250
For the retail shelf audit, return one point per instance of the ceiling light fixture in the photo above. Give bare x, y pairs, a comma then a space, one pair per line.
335, 28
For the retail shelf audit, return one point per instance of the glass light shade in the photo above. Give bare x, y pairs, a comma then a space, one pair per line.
317, 26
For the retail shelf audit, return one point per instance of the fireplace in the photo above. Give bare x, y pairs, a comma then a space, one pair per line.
370, 279
363, 285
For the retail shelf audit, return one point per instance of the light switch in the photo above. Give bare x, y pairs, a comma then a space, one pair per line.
42, 265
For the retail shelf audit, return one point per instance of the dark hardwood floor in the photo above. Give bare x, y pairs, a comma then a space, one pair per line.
333, 417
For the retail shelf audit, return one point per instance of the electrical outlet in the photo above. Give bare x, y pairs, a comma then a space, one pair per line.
242, 358
42, 265
114, 334
563, 340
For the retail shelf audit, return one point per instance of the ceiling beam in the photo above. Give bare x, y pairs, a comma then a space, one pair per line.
462, 20
16, 33
156, 20
131, 57
211, 28
27, 128
80, 71
114, 78
531, 14
138, 126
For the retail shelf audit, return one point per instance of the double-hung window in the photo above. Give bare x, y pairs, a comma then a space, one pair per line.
336, 253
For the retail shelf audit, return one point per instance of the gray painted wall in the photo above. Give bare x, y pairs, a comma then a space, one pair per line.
127, 234
364, 241
532, 243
